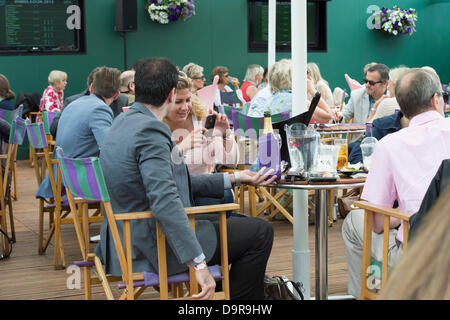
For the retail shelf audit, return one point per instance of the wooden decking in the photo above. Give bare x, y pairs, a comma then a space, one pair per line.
26, 275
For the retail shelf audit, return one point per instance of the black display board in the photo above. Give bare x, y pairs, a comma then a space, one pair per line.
41, 27
258, 25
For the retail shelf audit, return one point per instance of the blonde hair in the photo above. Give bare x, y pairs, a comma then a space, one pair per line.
56, 76
368, 66
199, 109
422, 273
252, 71
314, 70
192, 70
280, 76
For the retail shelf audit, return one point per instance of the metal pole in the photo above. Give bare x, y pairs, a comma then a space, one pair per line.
321, 245
300, 252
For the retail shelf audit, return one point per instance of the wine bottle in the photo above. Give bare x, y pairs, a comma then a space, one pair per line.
269, 148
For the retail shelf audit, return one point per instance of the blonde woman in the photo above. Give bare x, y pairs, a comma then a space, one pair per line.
201, 151
186, 121
280, 80
53, 96
320, 84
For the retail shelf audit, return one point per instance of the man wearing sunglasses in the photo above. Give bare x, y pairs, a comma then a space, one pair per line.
362, 100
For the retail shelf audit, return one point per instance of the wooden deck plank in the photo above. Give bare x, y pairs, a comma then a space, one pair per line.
27, 275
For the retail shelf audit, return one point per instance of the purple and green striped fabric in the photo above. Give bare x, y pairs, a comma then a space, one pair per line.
83, 176
36, 135
230, 98
251, 127
10, 115
48, 120
18, 131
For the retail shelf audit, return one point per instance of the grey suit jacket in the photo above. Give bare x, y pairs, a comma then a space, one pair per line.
140, 174
357, 107
81, 130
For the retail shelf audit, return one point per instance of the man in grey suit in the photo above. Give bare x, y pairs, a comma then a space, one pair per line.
85, 122
137, 159
116, 105
362, 100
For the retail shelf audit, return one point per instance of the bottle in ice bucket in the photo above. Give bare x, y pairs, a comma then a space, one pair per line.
269, 148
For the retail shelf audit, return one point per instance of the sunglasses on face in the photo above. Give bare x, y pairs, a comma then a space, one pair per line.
372, 83
199, 78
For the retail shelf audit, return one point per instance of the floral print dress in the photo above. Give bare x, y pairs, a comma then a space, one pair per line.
51, 100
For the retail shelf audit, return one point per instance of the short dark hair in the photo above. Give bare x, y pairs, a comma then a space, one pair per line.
106, 82
90, 78
154, 79
382, 69
414, 91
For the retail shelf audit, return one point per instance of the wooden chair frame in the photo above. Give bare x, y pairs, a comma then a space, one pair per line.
369, 211
58, 215
124, 251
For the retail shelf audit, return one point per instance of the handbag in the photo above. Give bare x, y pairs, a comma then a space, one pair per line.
281, 288
345, 203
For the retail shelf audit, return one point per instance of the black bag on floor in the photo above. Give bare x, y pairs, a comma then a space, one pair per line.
281, 288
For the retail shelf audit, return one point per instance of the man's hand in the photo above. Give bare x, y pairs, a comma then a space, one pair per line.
207, 283
257, 178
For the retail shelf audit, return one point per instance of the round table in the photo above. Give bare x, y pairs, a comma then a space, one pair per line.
321, 223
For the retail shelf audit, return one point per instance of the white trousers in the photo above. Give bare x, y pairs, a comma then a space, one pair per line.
353, 232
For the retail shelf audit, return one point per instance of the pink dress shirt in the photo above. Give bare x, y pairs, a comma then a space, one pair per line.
405, 162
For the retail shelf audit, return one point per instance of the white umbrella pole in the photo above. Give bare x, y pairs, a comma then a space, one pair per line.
300, 252
272, 33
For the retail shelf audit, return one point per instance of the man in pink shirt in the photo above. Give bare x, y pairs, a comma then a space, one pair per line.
403, 165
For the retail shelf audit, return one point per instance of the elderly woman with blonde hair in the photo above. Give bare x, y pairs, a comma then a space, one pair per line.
280, 80
53, 96
253, 78
195, 73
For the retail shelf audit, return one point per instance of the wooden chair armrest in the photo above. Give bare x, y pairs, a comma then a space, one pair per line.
395, 213
189, 211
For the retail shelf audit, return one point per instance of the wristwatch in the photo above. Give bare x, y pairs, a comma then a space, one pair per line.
202, 265
237, 179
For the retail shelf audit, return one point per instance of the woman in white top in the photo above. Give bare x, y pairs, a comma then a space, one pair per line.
224, 78
319, 83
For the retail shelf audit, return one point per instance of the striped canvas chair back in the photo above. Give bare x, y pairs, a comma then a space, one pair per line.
230, 99
48, 118
251, 127
36, 134
10, 115
18, 131
83, 177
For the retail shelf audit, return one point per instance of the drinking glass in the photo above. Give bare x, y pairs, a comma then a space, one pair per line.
343, 153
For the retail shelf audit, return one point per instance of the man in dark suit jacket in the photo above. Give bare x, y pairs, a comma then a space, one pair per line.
116, 105
144, 171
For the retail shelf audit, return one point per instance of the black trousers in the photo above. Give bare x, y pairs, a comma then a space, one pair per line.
249, 246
